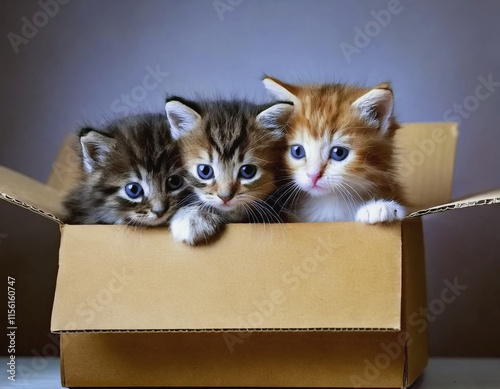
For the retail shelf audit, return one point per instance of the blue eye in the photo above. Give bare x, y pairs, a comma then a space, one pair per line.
205, 172
248, 171
339, 153
297, 151
134, 190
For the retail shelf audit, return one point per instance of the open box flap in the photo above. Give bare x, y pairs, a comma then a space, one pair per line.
312, 276
66, 169
31, 194
425, 158
484, 198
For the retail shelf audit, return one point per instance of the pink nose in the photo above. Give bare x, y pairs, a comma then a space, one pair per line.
225, 198
159, 214
314, 177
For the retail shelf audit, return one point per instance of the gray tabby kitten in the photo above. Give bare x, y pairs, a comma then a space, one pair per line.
132, 174
232, 152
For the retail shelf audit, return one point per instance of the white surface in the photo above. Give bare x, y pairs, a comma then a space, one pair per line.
442, 373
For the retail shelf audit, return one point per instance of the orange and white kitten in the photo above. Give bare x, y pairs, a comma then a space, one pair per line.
341, 153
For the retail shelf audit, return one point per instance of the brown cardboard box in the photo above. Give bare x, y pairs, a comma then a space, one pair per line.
295, 305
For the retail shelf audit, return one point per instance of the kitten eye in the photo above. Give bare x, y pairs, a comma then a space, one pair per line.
339, 153
205, 172
297, 151
174, 182
248, 171
134, 190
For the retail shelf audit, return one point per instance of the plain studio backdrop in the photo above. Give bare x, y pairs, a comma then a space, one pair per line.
64, 63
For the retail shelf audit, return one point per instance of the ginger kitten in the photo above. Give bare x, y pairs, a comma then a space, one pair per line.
232, 152
340, 152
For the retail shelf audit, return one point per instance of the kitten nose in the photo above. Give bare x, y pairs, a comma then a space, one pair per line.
314, 177
159, 214
226, 198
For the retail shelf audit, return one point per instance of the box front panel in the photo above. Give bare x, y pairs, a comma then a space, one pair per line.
316, 275
283, 359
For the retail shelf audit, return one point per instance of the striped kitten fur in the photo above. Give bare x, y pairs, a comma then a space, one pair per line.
341, 153
232, 151
132, 174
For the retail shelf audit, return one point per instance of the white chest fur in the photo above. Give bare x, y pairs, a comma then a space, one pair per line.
327, 209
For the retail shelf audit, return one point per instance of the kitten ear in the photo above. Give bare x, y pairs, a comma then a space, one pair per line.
95, 148
182, 118
280, 90
376, 106
275, 118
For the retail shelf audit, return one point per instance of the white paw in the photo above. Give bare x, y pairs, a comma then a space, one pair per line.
193, 226
380, 211
181, 230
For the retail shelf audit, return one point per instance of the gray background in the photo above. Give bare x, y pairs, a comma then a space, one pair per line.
91, 54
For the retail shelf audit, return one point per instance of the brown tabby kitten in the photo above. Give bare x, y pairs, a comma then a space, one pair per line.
340, 152
232, 152
132, 174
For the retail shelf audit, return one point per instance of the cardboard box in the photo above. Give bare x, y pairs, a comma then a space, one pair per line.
292, 305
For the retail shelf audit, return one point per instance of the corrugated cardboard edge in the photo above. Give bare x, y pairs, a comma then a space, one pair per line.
33, 195
483, 198
222, 330
22, 204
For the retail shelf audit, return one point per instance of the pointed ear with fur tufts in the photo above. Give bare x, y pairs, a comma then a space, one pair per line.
182, 116
275, 118
95, 148
281, 91
376, 106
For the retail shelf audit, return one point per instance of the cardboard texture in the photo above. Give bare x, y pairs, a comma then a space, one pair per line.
296, 305
307, 284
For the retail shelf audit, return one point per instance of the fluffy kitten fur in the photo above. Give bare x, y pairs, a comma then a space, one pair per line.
340, 152
232, 152
136, 149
